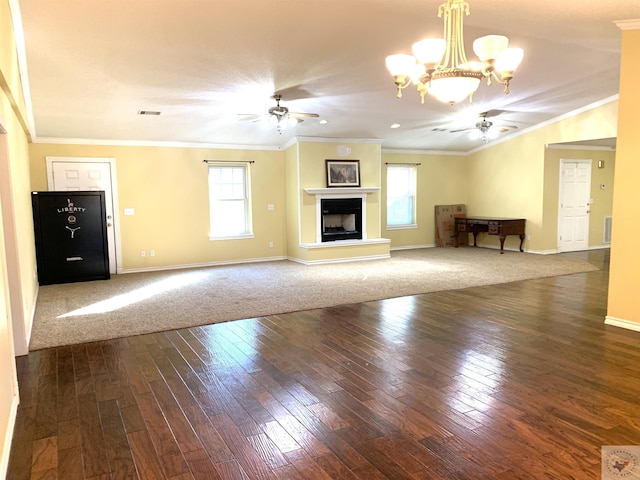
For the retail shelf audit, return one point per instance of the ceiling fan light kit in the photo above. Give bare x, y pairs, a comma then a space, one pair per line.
440, 66
280, 116
483, 130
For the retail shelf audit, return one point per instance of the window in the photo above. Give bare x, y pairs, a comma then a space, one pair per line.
229, 201
401, 196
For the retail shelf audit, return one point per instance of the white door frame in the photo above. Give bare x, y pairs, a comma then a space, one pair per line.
114, 194
561, 186
20, 326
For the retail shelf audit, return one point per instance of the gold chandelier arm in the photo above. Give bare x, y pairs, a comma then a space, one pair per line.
422, 90
402, 82
501, 80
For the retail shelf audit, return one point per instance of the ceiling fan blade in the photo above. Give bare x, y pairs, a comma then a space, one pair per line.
302, 114
295, 92
492, 113
462, 130
245, 117
506, 128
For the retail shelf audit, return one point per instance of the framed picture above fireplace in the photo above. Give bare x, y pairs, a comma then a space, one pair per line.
343, 173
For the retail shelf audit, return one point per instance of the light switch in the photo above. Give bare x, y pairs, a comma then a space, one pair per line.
271, 206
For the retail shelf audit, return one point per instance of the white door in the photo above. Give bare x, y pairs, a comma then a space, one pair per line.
76, 174
573, 214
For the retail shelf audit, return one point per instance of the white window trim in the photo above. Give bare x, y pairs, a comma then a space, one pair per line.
408, 226
413, 224
249, 208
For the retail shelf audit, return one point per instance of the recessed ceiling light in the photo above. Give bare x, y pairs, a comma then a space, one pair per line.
148, 112
323, 122
395, 125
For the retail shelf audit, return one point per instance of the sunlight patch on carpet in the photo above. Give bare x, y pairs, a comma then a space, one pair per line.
138, 295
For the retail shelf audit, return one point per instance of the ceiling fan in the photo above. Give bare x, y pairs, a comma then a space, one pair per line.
280, 116
484, 125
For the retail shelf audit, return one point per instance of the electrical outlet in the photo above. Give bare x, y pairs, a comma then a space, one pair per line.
143, 253
270, 244
152, 253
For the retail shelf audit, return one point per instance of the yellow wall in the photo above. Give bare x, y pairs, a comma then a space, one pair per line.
168, 189
624, 276
441, 180
508, 178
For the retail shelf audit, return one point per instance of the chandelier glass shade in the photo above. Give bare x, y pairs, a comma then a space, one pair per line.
440, 67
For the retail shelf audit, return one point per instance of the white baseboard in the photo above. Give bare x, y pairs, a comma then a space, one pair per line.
414, 247
8, 437
344, 243
200, 265
619, 322
339, 260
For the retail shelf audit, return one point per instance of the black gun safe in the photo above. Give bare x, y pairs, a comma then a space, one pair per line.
71, 236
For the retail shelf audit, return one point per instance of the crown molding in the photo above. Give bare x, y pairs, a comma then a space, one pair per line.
339, 140
424, 152
628, 24
561, 146
139, 143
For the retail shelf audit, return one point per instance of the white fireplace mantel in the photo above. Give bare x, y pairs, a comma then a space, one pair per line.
342, 190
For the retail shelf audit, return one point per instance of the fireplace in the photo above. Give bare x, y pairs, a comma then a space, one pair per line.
341, 219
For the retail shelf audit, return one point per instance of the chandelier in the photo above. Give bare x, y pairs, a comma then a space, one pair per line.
440, 66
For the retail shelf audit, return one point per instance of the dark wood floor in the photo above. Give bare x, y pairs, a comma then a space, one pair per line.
512, 381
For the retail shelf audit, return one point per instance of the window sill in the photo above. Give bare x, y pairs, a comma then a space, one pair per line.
237, 236
402, 227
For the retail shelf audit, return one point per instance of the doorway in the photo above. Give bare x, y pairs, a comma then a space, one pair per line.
574, 205
90, 174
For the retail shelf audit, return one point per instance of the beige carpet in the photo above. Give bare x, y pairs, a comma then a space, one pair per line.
138, 303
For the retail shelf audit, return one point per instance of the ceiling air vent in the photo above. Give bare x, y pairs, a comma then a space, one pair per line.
148, 112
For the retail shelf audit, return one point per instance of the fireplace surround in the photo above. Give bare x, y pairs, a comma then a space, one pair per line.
358, 193
341, 219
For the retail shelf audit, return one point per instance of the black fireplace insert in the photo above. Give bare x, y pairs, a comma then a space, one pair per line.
341, 219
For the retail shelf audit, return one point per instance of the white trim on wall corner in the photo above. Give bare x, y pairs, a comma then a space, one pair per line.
620, 322
8, 436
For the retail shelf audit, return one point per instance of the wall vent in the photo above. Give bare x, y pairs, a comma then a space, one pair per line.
148, 112
607, 230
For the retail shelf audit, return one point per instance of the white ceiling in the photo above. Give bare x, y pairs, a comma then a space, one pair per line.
92, 65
